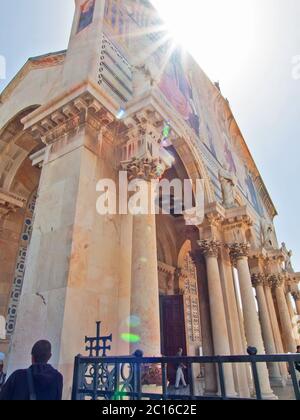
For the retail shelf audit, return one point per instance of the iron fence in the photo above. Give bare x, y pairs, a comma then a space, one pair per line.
140, 378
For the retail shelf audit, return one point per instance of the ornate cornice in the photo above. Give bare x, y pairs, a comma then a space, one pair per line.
83, 110
238, 251
10, 202
238, 216
210, 248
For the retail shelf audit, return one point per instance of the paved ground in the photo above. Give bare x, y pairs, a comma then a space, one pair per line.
284, 394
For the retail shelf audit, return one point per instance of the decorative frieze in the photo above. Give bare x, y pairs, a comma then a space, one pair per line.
20, 267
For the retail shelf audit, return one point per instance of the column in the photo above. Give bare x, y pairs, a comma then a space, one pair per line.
258, 281
296, 296
284, 315
275, 325
210, 249
211, 386
293, 317
144, 273
239, 255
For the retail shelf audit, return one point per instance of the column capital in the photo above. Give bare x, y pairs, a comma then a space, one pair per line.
238, 251
210, 248
144, 168
276, 281
258, 279
143, 141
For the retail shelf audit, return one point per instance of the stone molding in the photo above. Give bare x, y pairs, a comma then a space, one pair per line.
83, 110
10, 202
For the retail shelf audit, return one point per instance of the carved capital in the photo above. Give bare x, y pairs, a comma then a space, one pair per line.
210, 248
142, 141
145, 169
258, 279
238, 251
276, 281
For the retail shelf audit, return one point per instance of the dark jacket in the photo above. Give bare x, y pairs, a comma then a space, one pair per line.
48, 384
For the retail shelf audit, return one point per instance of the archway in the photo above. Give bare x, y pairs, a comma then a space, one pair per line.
19, 182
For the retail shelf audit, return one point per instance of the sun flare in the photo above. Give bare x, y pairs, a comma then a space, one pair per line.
214, 31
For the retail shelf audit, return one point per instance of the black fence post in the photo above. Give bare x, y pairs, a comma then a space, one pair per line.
222, 380
164, 380
75, 386
256, 380
191, 381
295, 380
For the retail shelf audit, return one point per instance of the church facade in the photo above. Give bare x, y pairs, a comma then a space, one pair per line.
123, 97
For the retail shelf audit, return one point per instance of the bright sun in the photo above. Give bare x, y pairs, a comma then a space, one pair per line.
219, 33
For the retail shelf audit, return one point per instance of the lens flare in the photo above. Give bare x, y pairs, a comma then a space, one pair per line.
131, 338
121, 114
133, 321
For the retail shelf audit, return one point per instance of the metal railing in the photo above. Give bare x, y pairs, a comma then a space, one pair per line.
125, 378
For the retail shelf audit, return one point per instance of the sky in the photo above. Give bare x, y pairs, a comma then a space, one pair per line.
248, 46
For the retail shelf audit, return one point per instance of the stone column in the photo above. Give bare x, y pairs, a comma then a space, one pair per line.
296, 296
293, 317
211, 386
239, 255
144, 273
210, 250
284, 315
258, 281
275, 325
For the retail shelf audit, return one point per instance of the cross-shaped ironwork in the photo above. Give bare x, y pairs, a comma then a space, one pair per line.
95, 347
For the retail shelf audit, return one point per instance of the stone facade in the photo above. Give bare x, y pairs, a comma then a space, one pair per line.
72, 118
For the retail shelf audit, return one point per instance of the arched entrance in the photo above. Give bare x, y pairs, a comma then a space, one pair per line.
19, 182
178, 285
